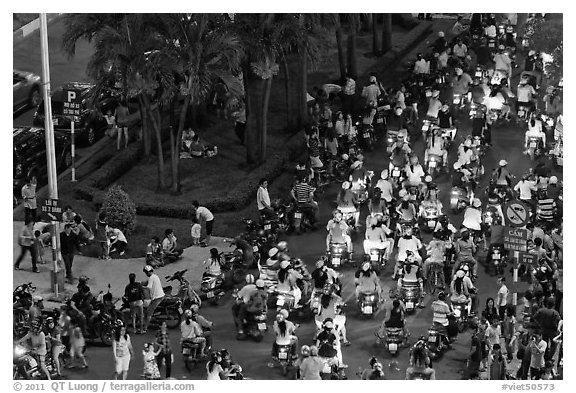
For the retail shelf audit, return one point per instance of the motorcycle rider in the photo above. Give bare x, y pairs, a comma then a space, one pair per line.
386, 189
358, 176
348, 201
434, 106
462, 290
83, 303
338, 232
272, 264
411, 273
502, 62
284, 330
213, 265
287, 278
465, 249
503, 176
436, 250
473, 218
330, 307
303, 194
257, 303
431, 201
366, 281
328, 344
461, 83
414, 174
156, 293
191, 332
205, 325
465, 151
441, 311
399, 154
375, 237
525, 95
408, 242
419, 364
406, 210
535, 131
397, 123
323, 275
435, 145
242, 298
35, 340
397, 319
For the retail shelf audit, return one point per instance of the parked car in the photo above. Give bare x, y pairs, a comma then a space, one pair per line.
29, 145
27, 91
91, 124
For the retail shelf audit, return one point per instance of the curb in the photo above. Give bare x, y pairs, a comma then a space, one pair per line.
24, 31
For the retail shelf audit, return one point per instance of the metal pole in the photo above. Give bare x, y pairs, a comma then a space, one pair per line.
73, 150
49, 135
515, 279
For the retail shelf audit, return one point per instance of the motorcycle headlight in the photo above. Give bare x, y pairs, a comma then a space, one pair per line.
19, 351
369, 298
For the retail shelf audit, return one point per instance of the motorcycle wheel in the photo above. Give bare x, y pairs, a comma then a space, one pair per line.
284, 367
106, 336
172, 318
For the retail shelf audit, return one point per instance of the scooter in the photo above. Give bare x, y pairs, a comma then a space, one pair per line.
535, 147
376, 258
26, 365
498, 259
410, 295
185, 293
255, 326
190, 354
285, 301
462, 314
458, 200
284, 358
430, 217
434, 164
332, 370
302, 219
337, 255
396, 176
368, 304
367, 137
436, 342
394, 339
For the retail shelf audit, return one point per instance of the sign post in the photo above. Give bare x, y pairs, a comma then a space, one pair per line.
515, 240
72, 107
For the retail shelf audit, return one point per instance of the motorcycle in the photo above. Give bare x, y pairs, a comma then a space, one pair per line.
213, 287
190, 354
368, 304
302, 218
410, 295
430, 217
535, 147
396, 176
436, 341
285, 301
449, 134
284, 358
331, 370
394, 339
185, 293
169, 310
523, 114
367, 137
498, 77
22, 300
434, 164
462, 315
498, 259
458, 200
337, 255
376, 258
255, 326
26, 366
557, 153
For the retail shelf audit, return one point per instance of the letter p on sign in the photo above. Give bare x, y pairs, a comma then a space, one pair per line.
71, 96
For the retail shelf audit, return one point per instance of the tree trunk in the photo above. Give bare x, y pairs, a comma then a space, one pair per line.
386, 33
375, 43
251, 134
157, 131
175, 146
352, 64
341, 53
267, 85
145, 127
289, 110
304, 88
368, 22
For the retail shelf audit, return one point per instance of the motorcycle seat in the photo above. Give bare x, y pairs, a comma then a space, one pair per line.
167, 289
393, 330
410, 284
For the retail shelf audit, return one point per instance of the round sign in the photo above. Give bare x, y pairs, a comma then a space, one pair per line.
516, 213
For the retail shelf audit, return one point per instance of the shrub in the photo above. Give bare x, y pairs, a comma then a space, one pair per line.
120, 210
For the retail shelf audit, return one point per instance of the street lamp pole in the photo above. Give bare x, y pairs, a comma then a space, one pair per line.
50, 146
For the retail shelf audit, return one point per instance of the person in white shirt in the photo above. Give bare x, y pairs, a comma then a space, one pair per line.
118, 241
490, 31
458, 27
385, 187
460, 50
443, 59
434, 105
502, 298
473, 216
263, 199
534, 131
525, 94
400, 98
421, 66
371, 92
525, 187
205, 215
414, 172
156, 294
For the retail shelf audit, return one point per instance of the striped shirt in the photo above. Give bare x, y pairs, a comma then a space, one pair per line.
350, 87
314, 148
441, 311
546, 209
302, 192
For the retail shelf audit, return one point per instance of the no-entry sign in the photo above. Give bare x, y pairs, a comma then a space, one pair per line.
516, 214
515, 239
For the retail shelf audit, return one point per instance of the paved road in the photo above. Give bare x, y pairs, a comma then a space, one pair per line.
254, 357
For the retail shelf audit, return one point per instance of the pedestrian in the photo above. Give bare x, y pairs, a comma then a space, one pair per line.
68, 245
548, 319
77, 345
26, 242
509, 331
68, 215
29, 199
475, 354
171, 252
123, 352
263, 199
502, 297
134, 295
156, 294
522, 339
82, 230
205, 215
101, 236
349, 91
165, 351
151, 370
240, 124
195, 231
537, 348
122, 114
497, 364
39, 247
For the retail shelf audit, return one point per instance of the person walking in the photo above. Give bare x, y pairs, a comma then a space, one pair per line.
150, 365
165, 352
26, 241
68, 244
156, 294
123, 352
502, 297
263, 199
537, 348
206, 216
121, 115
29, 199
101, 236
134, 295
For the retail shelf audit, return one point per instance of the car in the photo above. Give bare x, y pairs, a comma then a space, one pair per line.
91, 124
26, 89
29, 145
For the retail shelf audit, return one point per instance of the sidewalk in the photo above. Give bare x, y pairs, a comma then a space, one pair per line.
114, 272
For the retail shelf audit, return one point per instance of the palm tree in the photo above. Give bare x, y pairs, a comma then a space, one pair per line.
386, 32
340, 45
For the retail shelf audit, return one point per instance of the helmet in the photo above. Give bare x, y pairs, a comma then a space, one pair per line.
398, 111
328, 324
384, 174
37, 298
460, 274
83, 279
249, 279
428, 179
465, 269
435, 93
366, 266
188, 314
346, 185
49, 319
282, 246
406, 197
119, 323
148, 269
319, 263
467, 143
298, 262
194, 308
553, 180
284, 313
356, 164
272, 252
532, 53
501, 47
441, 296
372, 79
476, 202
457, 165
503, 163
260, 283
440, 34
345, 157
305, 350
284, 264
314, 350
458, 71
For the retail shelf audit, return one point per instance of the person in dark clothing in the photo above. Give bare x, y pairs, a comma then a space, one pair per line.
134, 295
490, 311
68, 245
483, 54
548, 319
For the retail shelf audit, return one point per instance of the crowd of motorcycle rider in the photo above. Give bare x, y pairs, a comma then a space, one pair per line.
402, 201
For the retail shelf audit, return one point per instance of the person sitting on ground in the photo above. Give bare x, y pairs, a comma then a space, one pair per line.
82, 230
118, 242
154, 254
170, 248
187, 138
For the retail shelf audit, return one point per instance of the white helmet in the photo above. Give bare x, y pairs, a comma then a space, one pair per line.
345, 157
503, 163
284, 264
260, 283
476, 202
458, 71
384, 174
148, 269
366, 266
457, 165
273, 251
282, 246
467, 143
553, 180
249, 279
440, 34
398, 111
346, 185
460, 274
428, 179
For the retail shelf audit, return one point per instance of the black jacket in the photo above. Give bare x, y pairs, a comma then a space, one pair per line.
68, 243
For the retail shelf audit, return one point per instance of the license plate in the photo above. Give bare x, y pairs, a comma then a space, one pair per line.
409, 305
315, 305
297, 215
453, 201
282, 355
280, 302
478, 74
431, 339
379, 120
395, 173
428, 94
392, 347
520, 113
210, 294
491, 45
262, 326
457, 312
255, 248
496, 256
326, 369
456, 100
267, 227
367, 309
373, 257
185, 351
336, 261
180, 310
432, 164
366, 135
425, 127
431, 224
532, 145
